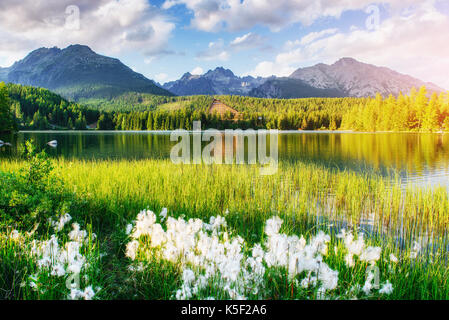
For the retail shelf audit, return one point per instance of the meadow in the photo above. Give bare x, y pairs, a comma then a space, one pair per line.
150, 229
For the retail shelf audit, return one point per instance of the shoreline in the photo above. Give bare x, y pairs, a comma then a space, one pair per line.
191, 131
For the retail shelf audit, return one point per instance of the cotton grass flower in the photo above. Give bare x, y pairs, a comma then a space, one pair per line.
393, 258
59, 224
387, 288
54, 258
212, 258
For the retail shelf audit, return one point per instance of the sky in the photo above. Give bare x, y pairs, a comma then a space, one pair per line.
163, 39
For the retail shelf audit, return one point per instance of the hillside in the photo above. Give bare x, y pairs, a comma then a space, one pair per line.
38, 108
356, 79
287, 88
77, 72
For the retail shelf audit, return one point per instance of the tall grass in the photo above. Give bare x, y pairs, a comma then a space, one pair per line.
306, 196
302, 193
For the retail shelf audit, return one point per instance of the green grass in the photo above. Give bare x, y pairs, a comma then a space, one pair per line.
109, 194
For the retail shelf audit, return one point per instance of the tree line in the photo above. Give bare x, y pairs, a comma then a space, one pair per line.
414, 112
38, 108
25, 107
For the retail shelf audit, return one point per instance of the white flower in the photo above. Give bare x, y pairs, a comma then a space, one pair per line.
58, 270
387, 288
371, 254
393, 258
14, 235
77, 234
129, 228
163, 214
349, 260
328, 277
88, 293
131, 249
59, 224
272, 226
209, 255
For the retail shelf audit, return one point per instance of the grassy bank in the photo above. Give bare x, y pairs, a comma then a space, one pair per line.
106, 196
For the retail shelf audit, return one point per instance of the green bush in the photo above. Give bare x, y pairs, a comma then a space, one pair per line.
33, 194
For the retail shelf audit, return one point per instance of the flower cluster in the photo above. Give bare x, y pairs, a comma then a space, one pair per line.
211, 257
62, 260
297, 256
358, 248
204, 251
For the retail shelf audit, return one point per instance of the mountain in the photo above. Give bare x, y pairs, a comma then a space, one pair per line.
357, 79
3, 74
287, 88
219, 81
345, 78
77, 72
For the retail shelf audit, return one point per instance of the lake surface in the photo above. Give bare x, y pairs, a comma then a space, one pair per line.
418, 158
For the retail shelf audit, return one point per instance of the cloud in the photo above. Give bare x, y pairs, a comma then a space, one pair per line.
197, 71
219, 50
108, 26
247, 41
237, 15
215, 51
316, 35
415, 44
268, 69
161, 77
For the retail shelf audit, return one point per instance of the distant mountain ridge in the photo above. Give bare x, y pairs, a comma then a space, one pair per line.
288, 88
77, 72
357, 79
345, 78
214, 82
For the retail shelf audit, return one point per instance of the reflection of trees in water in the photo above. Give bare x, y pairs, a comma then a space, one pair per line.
413, 152
406, 151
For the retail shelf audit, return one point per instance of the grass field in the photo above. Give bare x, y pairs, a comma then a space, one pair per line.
244, 251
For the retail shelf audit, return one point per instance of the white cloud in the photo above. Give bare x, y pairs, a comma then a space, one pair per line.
215, 51
109, 26
416, 45
268, 69
161, 77
149, 60
316, 35
234, 15
197, 71
247, 41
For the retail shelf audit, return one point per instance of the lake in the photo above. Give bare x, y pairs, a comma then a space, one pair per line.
418, 158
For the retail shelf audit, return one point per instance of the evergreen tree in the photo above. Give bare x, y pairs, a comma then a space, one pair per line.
7, 123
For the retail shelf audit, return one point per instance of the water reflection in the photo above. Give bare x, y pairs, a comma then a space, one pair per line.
422, 158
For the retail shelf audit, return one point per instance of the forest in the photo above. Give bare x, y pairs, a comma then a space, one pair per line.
414, 112
25, 107
7, 122
41, 109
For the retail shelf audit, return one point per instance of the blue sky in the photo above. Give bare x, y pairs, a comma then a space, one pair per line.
188, 43
163, 39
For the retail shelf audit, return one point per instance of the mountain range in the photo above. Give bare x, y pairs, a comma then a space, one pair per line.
78, 73
345, 78
219, 81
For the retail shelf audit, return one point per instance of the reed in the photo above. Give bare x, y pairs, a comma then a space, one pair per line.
307, 196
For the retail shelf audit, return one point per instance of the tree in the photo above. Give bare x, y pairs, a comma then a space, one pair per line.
7, 123
430, 115
80, 122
